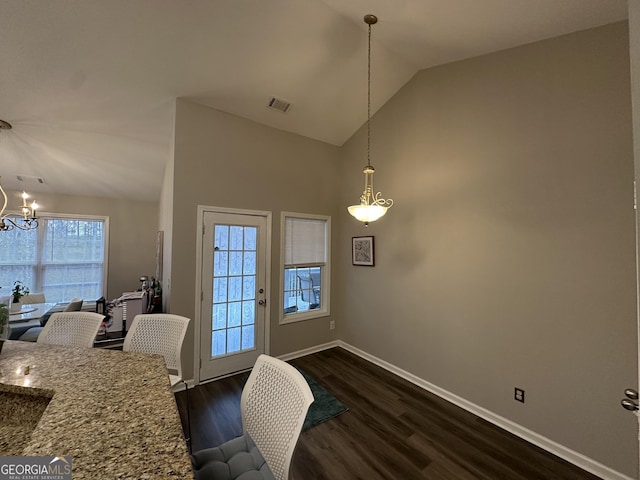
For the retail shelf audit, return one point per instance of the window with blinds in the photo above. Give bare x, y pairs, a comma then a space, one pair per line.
305, 253
64, 257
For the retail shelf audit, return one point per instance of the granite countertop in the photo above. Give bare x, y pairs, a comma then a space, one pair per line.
113, 412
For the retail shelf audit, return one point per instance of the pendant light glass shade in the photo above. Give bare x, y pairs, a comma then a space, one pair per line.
371, 207
367, 213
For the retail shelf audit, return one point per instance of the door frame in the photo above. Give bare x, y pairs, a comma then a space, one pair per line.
201, 209
634, 51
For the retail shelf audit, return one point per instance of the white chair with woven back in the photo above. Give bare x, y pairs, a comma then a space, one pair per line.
32, 298
163, 334
273, 406
31, 335
77, 329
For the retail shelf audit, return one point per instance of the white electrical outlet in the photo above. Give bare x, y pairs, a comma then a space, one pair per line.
332, 324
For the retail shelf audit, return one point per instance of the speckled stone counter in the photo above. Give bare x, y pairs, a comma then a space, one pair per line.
113, 412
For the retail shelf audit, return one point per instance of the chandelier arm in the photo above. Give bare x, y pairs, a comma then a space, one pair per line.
27, 222
4, 204
25, 225
381, 201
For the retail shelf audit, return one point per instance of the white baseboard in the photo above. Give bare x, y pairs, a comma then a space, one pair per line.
530, 436
180, 386
286, 357
308, 351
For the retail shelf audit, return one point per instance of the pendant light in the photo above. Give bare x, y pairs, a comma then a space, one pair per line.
371, 206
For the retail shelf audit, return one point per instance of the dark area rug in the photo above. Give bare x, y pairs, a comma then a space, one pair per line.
324, 407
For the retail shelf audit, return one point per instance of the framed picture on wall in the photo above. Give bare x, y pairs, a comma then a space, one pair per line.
362, 251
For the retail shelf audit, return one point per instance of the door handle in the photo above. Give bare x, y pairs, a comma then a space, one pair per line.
262, 302
631, 402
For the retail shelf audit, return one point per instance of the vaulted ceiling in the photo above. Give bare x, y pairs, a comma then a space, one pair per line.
89, 85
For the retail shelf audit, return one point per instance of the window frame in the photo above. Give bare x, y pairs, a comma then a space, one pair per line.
325, 284
40, 265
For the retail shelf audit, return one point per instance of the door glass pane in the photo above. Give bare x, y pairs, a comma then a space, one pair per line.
220, 263
222, 237
248, 287
250, 238
249, 267
220, 290
235, 263
219, 316
219, 342
236, 238
233, 340
234, 289
248, 312
248, 338
235, 314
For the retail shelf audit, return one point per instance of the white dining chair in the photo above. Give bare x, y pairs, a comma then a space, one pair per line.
163, 334
273, 406
33, 333
75, 305
77, 329
32, 298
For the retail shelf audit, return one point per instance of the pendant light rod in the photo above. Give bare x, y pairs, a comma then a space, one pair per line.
371, 206
369, 20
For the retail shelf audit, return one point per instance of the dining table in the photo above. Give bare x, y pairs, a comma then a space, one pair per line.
27, 317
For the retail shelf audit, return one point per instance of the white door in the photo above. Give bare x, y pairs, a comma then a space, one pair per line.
233, 307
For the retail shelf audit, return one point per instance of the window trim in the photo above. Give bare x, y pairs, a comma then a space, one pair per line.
325, 284
69, 216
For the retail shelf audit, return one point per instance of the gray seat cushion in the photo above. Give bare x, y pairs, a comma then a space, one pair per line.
237, 459
31, 335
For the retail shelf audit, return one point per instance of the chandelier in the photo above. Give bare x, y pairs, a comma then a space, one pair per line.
27, 218
371, 206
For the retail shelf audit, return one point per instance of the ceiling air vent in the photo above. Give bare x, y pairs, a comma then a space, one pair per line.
28, 179
279, 104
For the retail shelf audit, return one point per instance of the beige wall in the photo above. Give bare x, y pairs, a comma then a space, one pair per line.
226, 161
508, 257
132, 234
165, 223
634, 43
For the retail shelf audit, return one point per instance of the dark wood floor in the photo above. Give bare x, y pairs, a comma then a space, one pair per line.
393, 430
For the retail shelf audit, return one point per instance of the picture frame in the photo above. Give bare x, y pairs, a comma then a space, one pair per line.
362, 253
